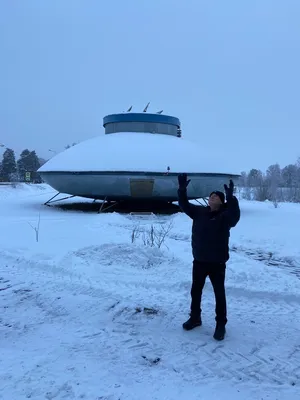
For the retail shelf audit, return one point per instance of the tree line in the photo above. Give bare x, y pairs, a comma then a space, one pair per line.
21, 170
25, 168
276, 184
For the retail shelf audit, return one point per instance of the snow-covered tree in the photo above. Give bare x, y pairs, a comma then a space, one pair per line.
289, 176
274, 182
255, 178
8, 166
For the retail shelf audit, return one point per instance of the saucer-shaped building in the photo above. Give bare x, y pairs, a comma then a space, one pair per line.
139, 156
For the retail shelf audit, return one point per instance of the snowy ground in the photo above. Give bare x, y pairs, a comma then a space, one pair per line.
86, 314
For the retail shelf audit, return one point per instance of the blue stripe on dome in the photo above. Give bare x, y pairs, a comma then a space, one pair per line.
141, 117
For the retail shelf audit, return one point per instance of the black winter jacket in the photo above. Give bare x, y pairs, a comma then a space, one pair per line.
211, 230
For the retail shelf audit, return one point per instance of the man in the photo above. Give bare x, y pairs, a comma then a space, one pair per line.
210, 248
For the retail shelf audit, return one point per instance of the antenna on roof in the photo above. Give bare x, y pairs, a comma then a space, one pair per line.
159, 112
129, 109
146, 108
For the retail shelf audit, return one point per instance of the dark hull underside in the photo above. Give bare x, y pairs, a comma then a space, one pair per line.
122, 185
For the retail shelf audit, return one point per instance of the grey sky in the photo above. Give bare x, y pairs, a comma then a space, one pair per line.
229, 70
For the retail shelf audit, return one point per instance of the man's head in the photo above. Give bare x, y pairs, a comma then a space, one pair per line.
216, 199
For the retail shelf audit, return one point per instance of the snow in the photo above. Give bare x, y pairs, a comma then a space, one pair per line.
86, 314
145, 152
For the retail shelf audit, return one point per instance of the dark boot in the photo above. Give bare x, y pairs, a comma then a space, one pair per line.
220, 332
192, 323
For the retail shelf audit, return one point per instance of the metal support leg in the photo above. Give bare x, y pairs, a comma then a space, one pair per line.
102, 209
102, 205
106, 208
53, 201
112, 205
48, 201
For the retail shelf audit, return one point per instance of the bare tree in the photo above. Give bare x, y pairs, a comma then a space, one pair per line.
274, 181
153, 237
276, 184
36, 228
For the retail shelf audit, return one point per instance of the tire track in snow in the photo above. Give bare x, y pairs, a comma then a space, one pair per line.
241, 366
195, 355
137, 290
270, 259
257, 364
136, 339
287, 263
138, 287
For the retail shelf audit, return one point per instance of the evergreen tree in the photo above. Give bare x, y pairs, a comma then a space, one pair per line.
28, 162
8, 166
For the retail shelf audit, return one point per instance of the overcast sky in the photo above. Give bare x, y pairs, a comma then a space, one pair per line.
229, 70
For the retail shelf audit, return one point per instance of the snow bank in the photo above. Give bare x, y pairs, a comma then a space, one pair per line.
141, 152
20, 190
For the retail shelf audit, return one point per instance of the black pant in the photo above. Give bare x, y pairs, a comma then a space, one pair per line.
216, 274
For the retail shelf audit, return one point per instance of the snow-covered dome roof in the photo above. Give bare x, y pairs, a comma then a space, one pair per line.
135, 151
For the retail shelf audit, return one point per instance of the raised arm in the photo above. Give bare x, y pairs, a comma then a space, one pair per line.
189, 209
233, 212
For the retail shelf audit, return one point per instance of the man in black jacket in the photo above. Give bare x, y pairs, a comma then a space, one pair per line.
210, 247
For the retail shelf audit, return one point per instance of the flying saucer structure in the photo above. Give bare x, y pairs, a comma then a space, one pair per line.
139, 156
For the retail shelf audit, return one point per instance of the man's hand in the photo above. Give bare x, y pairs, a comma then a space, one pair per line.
182, 181
229, 190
